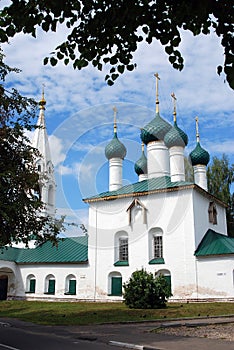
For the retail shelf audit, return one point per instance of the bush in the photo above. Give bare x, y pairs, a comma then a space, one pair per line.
146, 291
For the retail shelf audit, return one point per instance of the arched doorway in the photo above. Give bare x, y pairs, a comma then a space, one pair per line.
3, 287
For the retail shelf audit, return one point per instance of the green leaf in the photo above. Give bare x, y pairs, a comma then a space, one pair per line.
130, 67
53, 61
66, 61
169, 49
219, 70
110, 82
172, 59
121, 68
46, 60
60, 55
114, 76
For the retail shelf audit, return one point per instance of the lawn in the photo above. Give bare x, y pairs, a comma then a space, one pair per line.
81, 313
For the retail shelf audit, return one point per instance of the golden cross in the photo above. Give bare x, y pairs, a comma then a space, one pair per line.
174, 101
157, 101
115, 123
197, 130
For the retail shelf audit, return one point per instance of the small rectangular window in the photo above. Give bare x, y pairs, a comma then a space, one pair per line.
123, 249
157, 247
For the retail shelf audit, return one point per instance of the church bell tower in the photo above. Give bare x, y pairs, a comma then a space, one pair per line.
44, 163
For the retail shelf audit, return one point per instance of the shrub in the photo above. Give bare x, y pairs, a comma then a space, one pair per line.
146, 291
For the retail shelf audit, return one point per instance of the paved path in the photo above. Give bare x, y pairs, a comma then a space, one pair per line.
137, 335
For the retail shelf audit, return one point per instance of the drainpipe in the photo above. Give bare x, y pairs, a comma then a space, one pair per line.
95, 267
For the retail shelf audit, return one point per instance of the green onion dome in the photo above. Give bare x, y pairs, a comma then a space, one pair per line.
155, 130
115, 149
141, 165
176, 137
199, 155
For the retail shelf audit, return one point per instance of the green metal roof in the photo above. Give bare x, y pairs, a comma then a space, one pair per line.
9, 253
214, 243
69, 250
141, 188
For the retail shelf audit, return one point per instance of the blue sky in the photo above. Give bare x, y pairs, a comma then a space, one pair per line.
79, 109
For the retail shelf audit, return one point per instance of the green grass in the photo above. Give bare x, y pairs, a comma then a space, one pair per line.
81, 313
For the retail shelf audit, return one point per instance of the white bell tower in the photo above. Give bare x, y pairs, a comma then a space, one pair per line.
44, 163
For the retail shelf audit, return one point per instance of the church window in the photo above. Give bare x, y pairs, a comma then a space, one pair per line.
50, 195
31, 284
136, 212
39, 168
123, 249
212, 211
156, 246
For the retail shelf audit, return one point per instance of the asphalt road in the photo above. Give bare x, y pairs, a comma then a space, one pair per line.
19, 335
12, 338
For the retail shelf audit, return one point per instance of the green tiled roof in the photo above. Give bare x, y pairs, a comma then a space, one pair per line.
115, 149
176, 137
199, 155
155, 130
69, 250
214, 243
141, 188
141, 165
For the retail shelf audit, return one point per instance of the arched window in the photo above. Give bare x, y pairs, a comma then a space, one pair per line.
115, 284
121, 249
156, 246
51, 195
70, 285
30, 284
50, 284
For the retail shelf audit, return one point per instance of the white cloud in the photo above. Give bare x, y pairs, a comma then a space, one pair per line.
226, 147
56, 148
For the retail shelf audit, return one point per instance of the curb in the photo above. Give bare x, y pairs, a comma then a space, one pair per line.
131, 346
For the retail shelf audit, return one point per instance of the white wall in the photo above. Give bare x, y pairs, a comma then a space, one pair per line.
216, 277
201, 217
84, 287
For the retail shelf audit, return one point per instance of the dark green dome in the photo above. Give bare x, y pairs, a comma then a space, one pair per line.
176, 137
115, 149
141, 165
155, 130
199, 155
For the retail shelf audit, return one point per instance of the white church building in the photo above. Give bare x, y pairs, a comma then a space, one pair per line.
161, 223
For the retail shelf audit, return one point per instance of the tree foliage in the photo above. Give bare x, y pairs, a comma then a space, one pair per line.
220, 176
109, 31
21, 210
146, 291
